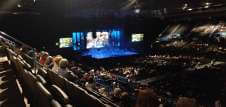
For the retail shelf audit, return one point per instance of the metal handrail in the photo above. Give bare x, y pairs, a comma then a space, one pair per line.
15, 40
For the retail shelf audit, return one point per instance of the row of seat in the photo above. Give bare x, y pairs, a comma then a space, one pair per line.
37, 93
48, 89
78, 96
71, 78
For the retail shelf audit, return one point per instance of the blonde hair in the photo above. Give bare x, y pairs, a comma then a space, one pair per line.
63, 63
57, 59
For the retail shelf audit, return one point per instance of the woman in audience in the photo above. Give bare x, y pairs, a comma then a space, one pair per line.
49, 62
63, 68
43, 58
66, 72
56, 60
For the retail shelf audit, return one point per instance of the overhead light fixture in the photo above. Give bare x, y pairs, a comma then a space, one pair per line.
207, 3
19, 5
15, 13
190, 9
206, 6
137, 11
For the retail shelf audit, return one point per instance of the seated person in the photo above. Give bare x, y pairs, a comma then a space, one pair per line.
49, 62
90, 85
116, 95
56, 61
64, 71
43, 58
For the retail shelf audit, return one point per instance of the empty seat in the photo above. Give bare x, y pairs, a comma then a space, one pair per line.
80, 97
44, 97
60, 95
27, 65
72, 77
29, 60
55, 103
69, 105
23, 81
20, 73
30, 80
77, 95
18, 65
42, 72
56, 79
41, 79
94, 101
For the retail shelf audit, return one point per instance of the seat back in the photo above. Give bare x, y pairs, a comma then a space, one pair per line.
55, 103
41, 79
69, 105
59, 95
44, 96
81, 98
42, 72
18, 65
56, 79
30, 80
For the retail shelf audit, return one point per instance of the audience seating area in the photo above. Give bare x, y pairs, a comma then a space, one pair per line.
41, 87
163, 77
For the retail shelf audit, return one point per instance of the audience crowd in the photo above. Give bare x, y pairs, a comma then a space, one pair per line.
154, 80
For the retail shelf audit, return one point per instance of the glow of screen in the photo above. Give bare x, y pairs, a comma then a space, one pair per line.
100, 41
89, 39
137, 37
65, 42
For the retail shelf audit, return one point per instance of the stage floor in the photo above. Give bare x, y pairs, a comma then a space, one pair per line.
108, 53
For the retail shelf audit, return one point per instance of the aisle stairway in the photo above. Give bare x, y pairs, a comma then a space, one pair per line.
10, 95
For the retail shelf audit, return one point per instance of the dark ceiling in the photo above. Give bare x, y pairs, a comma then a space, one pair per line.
92, 6
128, 4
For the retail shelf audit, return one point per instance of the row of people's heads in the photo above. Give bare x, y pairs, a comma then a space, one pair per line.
148, 98
58, 60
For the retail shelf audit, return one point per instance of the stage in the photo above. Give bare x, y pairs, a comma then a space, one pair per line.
103, 53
